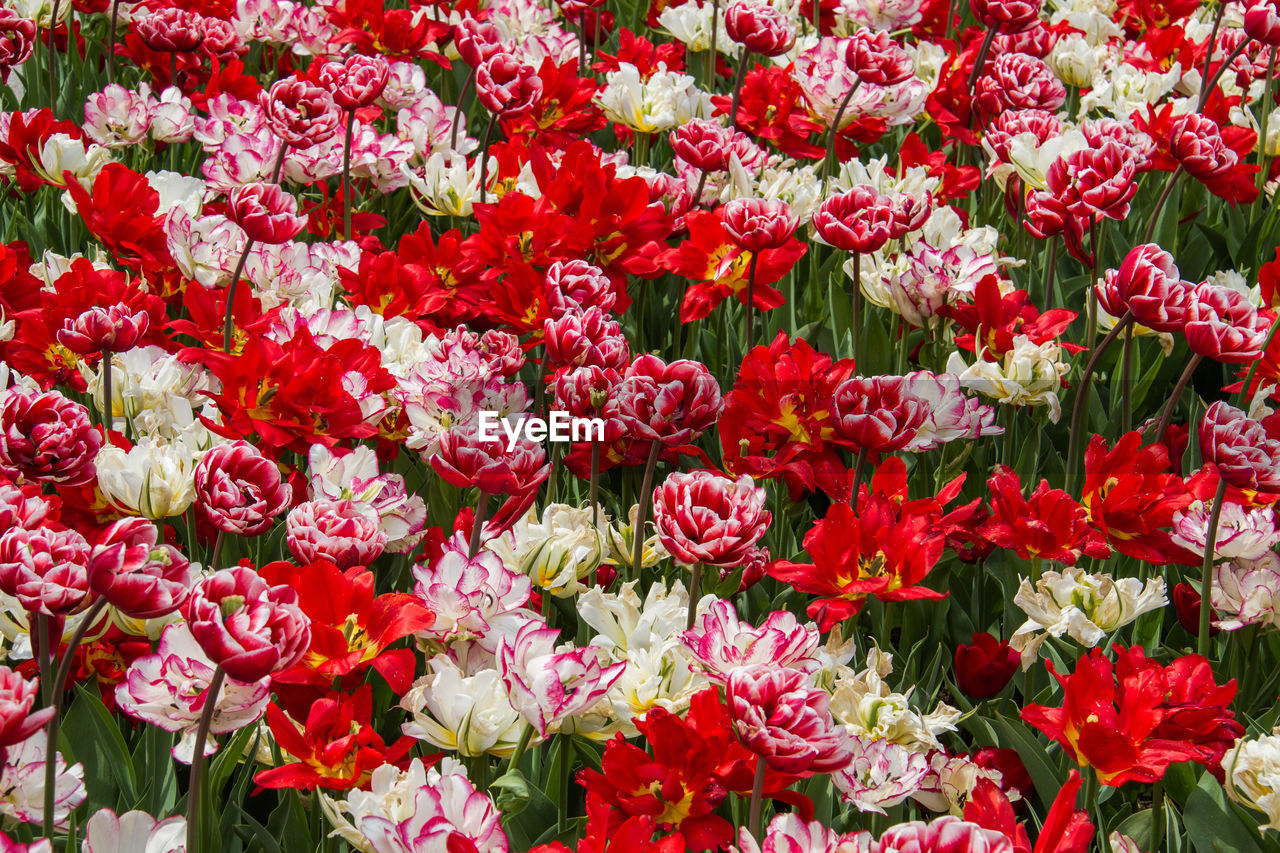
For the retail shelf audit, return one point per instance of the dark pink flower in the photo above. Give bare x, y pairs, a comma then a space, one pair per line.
670, 403
46, 570
476, 41
170, 30
1149, 284
756, 224
250, 629
267, 213
17, 39
506, 86
466, 460
1262, 22
114, 329
860, 220
238, 490
1006, 16
759, 27
702, 144
356, 82
786, 721
1195, 141
1018, 81
876, 413
17, 719
588, 338
47, 437
135, 574
702, 517
1223, 325
299, 113
877, 59
1245, 452
577, 285
1095, 182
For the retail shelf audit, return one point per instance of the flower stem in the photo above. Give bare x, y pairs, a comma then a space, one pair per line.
857, 478
981, 59
566, 754
594, 487
695, 589
112, 26
41, 639
1253, 368
1217, 74
834, 130
1126, 390
1167, 417
55, 722
1157, 815
346, 175
1082, 394
477, 524
457, 110
53, 56
751, 300
521, 745
855, 304
229, 323
711, 54
737, 88
1206, 568
484, 155
194, 836
1164, 196
108, 410
642, 512
757, 798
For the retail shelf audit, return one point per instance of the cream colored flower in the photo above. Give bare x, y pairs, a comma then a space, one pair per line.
446, 185
469, 714
556, 551
663, 102
390, 796
867, 707
1085, 607
154, 479
1028, 375
1253, 776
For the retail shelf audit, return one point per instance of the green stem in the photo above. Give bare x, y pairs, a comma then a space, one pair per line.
695, 589
55, 722
346, 174
642, 512
751, 300
194, 837
1206, 568
1160, 202
1126, 390
1253, 368
521, 745
757, 798
1167, 417
477, 525
858, 462
229, 322
737, 87
855, 303
1081, 405
834, 130
1157, 815
1264, 119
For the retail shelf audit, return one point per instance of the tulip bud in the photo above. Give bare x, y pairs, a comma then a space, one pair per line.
985, 667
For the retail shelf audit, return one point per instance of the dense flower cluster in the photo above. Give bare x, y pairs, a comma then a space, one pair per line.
559, 426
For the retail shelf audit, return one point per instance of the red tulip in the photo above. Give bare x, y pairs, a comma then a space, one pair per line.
756, 224
299, 113
1049, 524
877, 59
137, 576
1262, 22
860, 220
1195, 141
1222, 324
785, 721
17, 719
113, 329
1245, 452
589, 338
702, 517
248, 628
267, 213
46, 570
238, 490
476, 41
671, 403
357, 82
759, 27
170, 30
1006, 16
984, 668
47, 437
17, 39
1186, 604
506, 86
1148, 284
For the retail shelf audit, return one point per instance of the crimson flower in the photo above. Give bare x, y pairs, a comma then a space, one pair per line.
1006, 16
1262, 22
759, 27
46, 570
985, 667
1130, 721
171, 30
1048, 525
1223, 325
1246, 452
351, 627
860, 220
702, 517
1196, 142
266, 213
876, 58
756, 224
135, 573
248, 627
672, 403
337, 748
115, 328
17, 40
877, 414
46, 437
784, 720
1149, 284
299, 113
238, 490
18, 721
1131, 496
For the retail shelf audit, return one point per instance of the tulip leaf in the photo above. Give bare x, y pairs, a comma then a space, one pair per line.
154, 758
513, 792
95, 741
1047, 778
1213, 825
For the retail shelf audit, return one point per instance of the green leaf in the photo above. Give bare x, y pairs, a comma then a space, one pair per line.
1213, 825
1047, 778
513, 792
95, 741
